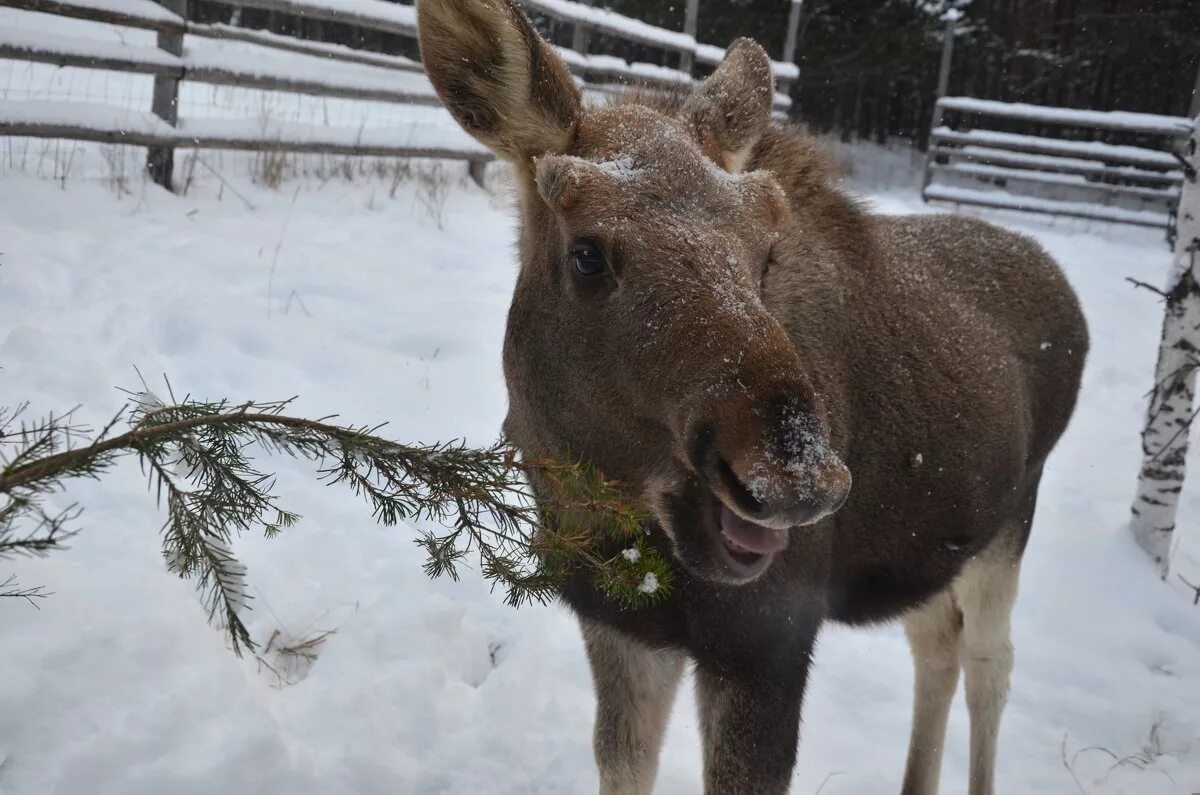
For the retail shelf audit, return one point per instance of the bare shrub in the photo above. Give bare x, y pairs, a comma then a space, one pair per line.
400, 171
116, 168
269, 167
433, 186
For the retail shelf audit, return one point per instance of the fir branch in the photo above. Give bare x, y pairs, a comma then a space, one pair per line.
197, 458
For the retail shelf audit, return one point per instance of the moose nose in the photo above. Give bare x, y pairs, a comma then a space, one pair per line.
762, 505
779, 472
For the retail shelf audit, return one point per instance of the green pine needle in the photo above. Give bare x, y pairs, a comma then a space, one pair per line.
198, 458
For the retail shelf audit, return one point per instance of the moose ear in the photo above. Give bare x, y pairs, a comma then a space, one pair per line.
732, 107
497, 77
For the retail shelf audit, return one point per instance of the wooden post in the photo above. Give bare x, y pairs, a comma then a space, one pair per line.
477, 169
789, 42
1170, 415
943, 85
581, 36
793, 29
1195, 107
691, 16
160, 160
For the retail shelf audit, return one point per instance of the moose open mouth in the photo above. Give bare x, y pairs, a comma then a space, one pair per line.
744, 549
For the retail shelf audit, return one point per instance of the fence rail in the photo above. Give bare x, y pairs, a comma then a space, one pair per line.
296, 65
1057, 152
144, 14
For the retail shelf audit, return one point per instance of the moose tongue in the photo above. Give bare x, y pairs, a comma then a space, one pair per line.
749, 536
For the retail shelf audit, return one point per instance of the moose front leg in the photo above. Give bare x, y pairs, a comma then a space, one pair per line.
750, 722
635, 688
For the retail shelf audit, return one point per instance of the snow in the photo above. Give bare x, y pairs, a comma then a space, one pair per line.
951, 193
621, 169
612, 22
1093, 149
393, 17
206, 60
392, 307
85, 115
1050, 178
1005, 157
619, 67
1105, 120
709, 53
639, 31
712, 54
416, 135
242, 58
221, 61
333, 50
35, 41
139, 9
441, 135
402, 18
651, 71
118, 687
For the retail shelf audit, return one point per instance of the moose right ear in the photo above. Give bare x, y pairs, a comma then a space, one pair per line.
732, 107
505, 85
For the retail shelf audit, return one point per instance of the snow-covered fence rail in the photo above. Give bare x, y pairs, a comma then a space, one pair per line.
216, 67
1056, 165
222, 55
263, 60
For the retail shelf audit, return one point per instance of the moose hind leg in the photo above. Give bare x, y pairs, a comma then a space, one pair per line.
635, 688
985, 593
934, 632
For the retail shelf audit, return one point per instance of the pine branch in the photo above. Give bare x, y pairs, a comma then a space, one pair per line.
196, 456
12, 589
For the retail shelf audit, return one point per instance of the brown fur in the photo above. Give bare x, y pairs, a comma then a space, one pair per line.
754, 342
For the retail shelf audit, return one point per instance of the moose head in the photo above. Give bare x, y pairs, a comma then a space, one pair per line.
638, 338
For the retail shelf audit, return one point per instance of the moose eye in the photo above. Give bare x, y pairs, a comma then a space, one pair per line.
588, 260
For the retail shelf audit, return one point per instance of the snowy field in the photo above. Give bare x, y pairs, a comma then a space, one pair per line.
386, 301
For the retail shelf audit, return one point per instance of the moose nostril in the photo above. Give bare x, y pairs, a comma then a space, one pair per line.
738, 490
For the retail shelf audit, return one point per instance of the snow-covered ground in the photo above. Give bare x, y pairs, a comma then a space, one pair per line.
383, 307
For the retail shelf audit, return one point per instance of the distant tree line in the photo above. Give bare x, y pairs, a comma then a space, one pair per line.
868, 68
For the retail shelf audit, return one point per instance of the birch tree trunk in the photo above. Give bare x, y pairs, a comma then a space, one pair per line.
1170, 415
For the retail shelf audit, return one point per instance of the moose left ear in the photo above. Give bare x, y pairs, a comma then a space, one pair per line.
731, 109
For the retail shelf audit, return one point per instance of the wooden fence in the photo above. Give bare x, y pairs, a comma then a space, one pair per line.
1062, 168
290, 64
1101, 165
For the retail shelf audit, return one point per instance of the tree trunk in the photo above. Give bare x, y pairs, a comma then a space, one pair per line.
1170, 415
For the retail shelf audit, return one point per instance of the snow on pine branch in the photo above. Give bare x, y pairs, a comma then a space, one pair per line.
197, 458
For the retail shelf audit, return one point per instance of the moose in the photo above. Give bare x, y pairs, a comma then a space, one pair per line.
829, 415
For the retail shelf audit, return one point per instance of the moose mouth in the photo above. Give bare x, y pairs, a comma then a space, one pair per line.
744, 549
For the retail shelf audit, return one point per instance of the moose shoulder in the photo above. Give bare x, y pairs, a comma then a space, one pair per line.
829, 414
